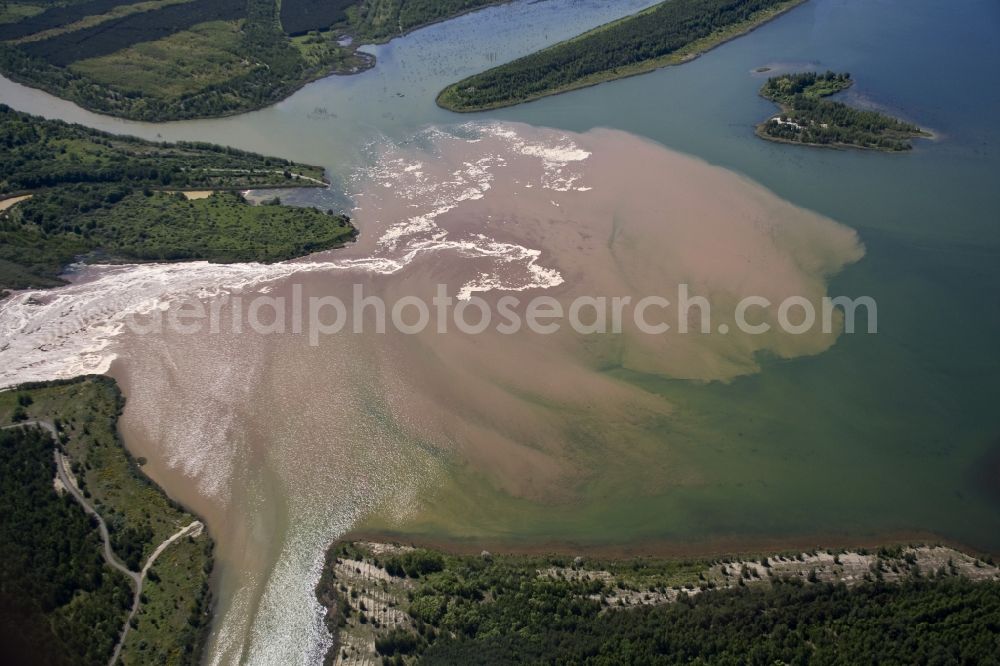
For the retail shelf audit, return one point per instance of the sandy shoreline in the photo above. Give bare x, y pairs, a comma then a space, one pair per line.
192, 195
9, 202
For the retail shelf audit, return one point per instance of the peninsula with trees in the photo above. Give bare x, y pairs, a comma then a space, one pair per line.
158, 60
670, 33
808, 118
69, 193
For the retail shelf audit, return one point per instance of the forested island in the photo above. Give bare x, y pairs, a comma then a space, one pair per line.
807, 118
669, 33
61, 600
174, 59
83, 194
407, 604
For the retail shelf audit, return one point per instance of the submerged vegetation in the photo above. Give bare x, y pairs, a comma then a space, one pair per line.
807, 118
669, 33
71, 606
110, 198
411, 604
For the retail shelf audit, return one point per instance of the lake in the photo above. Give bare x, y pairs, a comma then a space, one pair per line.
862, 437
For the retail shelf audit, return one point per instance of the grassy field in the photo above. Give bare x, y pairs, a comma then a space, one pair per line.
670, 33
166, 60
134, 27
92, 20
184, 63
12, 12
139, 515
176, 599
174, 59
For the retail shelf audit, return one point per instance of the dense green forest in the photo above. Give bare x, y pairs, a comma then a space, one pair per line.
40, 236
301, 16
59, 602
670, 32
102, 197
381, 20
197, 58
53, 574
934, 622
809, 119
902, 605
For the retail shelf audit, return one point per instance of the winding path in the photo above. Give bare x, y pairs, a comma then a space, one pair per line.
194, 529
68, 481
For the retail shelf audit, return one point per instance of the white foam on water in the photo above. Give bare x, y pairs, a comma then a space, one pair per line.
289, 624
555, 155
71, 330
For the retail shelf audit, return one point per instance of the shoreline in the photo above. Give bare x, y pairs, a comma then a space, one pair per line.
785, 108
369, 62
6, 293
386, 599
281, 97
686, 54
664, 548
404, 33
102, 512
256, 234
759, 131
